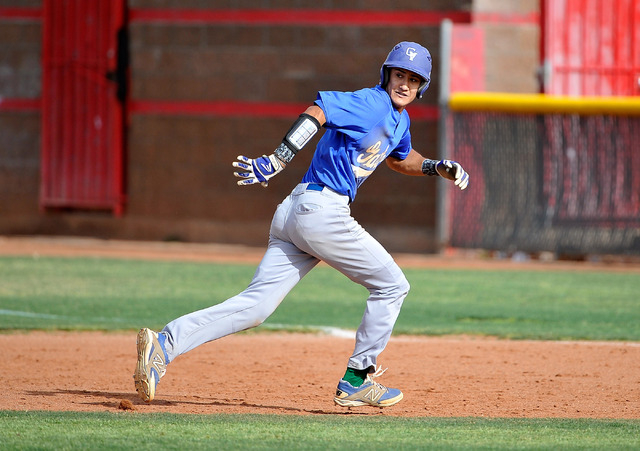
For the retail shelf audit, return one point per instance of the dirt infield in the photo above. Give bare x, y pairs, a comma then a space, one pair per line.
297, 373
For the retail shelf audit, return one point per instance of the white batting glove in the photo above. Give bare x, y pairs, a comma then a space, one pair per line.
452, 170
258, 170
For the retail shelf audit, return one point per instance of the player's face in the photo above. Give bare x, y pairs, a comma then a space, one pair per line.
402, 87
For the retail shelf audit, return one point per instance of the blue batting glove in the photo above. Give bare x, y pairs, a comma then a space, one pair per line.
258, 170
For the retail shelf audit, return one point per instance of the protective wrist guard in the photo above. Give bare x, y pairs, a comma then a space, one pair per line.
429, 167
297, 137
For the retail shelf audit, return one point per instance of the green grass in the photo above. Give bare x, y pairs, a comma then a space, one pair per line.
111, 294
93, 293
75, 430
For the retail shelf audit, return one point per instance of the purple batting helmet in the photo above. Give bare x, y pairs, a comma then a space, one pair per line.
410, 56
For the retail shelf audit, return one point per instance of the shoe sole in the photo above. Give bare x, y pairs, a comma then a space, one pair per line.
355, 403
146, 390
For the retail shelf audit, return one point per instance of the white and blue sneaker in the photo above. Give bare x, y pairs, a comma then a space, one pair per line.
370, 393
152, 363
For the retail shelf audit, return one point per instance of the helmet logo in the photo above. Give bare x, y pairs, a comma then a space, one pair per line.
411, 53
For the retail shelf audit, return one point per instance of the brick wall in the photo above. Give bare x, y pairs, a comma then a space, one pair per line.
180, 167
179, 176
20, 44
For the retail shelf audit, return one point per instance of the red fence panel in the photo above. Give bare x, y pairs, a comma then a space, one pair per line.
82, 117
591, 47
467, 58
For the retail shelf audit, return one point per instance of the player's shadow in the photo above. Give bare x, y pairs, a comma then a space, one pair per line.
88, 394
133, 397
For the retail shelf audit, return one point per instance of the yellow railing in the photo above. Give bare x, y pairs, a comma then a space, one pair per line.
544, 104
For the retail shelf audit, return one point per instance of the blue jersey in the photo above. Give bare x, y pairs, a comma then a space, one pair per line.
362, 129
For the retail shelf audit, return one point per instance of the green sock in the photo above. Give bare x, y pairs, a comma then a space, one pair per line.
355, 377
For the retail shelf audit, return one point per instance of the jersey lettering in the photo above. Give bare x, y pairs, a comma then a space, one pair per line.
372, 157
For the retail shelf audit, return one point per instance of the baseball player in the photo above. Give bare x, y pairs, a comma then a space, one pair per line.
314, 223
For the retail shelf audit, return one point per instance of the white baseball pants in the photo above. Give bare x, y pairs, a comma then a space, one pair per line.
308, 226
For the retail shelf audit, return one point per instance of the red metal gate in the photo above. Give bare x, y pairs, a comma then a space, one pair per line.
83, 105
591, 47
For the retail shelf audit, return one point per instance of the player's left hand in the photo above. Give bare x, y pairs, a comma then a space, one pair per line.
258, 170
452, 170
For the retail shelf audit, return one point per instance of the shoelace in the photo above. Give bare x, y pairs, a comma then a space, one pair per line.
377, 373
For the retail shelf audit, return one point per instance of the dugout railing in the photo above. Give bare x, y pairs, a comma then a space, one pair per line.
548, 174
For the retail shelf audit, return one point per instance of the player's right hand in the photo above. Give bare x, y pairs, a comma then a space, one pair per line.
452, 170
257, 170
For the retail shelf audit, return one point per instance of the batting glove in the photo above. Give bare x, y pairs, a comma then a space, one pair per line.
258, 170
452, 170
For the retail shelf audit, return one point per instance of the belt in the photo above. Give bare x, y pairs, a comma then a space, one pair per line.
315, 187
319, 187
